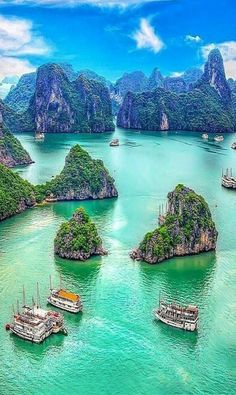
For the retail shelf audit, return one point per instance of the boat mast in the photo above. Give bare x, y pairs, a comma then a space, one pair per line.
38, 298
23, 295
33, 304
18, 307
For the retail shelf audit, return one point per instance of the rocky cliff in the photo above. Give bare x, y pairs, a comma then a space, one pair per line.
81, 178
11, 151
16, 194
78, 238
207, 107
60, 105
188, 229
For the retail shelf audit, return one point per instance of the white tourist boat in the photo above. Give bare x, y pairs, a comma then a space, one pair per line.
115, 143
228, 180
39, 136
182, 317
205, 136
34, 323
219, 138
65, 300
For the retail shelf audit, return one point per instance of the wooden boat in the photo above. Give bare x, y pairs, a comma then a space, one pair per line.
114, 143
182, 317
219, 138
228, 180
205, 136
64, 299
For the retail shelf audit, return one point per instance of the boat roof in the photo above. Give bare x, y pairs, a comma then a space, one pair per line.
62, 293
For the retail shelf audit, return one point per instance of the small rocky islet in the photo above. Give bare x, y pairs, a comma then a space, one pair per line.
187, 229
78, 238
81, 178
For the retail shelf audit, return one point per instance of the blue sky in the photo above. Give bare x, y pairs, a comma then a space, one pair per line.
112, 37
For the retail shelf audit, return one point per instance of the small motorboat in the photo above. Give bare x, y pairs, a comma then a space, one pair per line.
114, 143
205, 136
233, 146
219, 138
39, 136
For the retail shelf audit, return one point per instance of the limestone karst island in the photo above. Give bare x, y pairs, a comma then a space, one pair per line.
117, 197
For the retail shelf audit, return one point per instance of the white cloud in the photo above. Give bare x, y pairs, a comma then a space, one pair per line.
14, 66
176, 73
228, 52
146, 37
195, 39
18, 39
74, 3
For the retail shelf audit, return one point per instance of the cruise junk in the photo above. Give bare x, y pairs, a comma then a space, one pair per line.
34, 323
64, 299
182, 317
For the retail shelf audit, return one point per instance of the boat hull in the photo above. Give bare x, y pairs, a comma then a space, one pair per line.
32, 339
71, 309
187, 326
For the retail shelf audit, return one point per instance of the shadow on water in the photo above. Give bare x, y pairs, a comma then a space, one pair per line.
51, 345
184, 279
187, 340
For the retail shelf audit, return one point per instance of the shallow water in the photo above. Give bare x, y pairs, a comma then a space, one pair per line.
115, 346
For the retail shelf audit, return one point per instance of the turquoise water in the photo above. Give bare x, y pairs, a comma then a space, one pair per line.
115, 347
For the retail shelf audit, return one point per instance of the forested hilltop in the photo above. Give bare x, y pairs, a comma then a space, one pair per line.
208, 106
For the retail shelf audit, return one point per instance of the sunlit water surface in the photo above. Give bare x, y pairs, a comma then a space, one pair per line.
115, 346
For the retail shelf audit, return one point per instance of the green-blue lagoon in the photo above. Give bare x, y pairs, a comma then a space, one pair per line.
115, 346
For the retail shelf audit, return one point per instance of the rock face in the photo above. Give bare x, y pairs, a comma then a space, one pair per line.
175, 84
19, 97
155, 80
208, 107
214, 75
78, 238
188, 229
11, 151
16, 194
60, 105
81, 178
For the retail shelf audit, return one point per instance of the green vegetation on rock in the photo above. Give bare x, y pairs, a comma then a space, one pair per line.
188, 229
78, 238
81, 178
16, 194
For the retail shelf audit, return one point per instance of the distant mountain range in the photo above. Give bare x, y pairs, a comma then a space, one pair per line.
57, 99
207, 105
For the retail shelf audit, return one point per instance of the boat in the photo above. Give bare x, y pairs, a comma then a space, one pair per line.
114, 143
219, 138
178, 316
233, 145
228, 180
64, 299
34, 323
205, 136
39, 136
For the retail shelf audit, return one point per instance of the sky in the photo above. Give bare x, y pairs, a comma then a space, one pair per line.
116, 36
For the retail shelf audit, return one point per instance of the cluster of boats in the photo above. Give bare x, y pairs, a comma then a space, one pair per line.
36, 324
217, 138
228, 180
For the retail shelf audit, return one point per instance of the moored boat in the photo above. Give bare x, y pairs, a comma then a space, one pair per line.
182, 317
36, 324
115, 143
39, 136
219, 138
65, 300
228, 180
205, 136
233, 146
